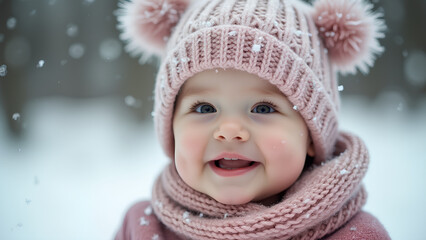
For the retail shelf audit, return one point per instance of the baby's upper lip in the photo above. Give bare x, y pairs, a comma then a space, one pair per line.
232, 156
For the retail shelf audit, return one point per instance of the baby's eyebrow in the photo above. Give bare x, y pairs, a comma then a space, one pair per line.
194, 91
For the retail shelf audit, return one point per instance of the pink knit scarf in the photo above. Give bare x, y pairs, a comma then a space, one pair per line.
323, 199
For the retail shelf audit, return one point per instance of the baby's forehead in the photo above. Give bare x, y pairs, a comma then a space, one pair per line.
229, 79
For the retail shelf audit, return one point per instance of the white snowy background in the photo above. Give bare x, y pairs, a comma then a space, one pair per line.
83, 155
82, 163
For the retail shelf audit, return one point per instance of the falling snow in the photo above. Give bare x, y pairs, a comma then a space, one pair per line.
16, 116
353, 229
155, 237
185, 59
415, 68
130, 100
225, 216
256, 48
40, 63
175, 60
298, 33
400, 107
148, 210
185, 217
295, 108
232, 33
3, 70
340, 88
110, 49
36, 181
206, 24
344, 171
405, 53
72, 30
76, 50
89, 2
143, 222
11, 23
158, 204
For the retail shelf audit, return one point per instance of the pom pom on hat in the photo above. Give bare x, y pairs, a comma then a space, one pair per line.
147, 24
350, 31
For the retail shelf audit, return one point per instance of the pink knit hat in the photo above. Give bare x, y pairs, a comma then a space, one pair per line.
296, 47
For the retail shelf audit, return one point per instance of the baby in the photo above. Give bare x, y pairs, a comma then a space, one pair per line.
246, 104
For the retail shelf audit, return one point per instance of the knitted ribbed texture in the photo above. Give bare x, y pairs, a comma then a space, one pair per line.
323, 199
275, 40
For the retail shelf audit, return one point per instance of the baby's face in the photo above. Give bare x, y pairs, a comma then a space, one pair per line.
237, 137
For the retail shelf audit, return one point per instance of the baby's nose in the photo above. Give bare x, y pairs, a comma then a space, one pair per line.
231, 131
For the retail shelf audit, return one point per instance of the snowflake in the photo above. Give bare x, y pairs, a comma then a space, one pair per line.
16, 116
185, 217
40, 64
185, 59
143, 222
3, 70
340, 88
148, 210
155, 237
159, 204
232, 33
256, 48
298, 33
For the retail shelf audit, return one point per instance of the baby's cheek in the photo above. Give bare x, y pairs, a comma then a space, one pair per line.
274, 147
189, 145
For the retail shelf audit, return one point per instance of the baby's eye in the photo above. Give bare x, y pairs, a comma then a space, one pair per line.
204, 108
263, 109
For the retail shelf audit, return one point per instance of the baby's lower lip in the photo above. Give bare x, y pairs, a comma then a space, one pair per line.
231, 172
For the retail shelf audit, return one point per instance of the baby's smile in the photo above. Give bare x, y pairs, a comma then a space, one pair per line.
231, 164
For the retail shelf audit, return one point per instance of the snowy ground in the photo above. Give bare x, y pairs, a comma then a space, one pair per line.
82, 163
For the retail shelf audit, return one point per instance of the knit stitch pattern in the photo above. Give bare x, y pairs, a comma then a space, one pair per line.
323, 199
275, 40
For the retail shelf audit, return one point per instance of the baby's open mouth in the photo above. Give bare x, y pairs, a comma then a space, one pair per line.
232, 164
